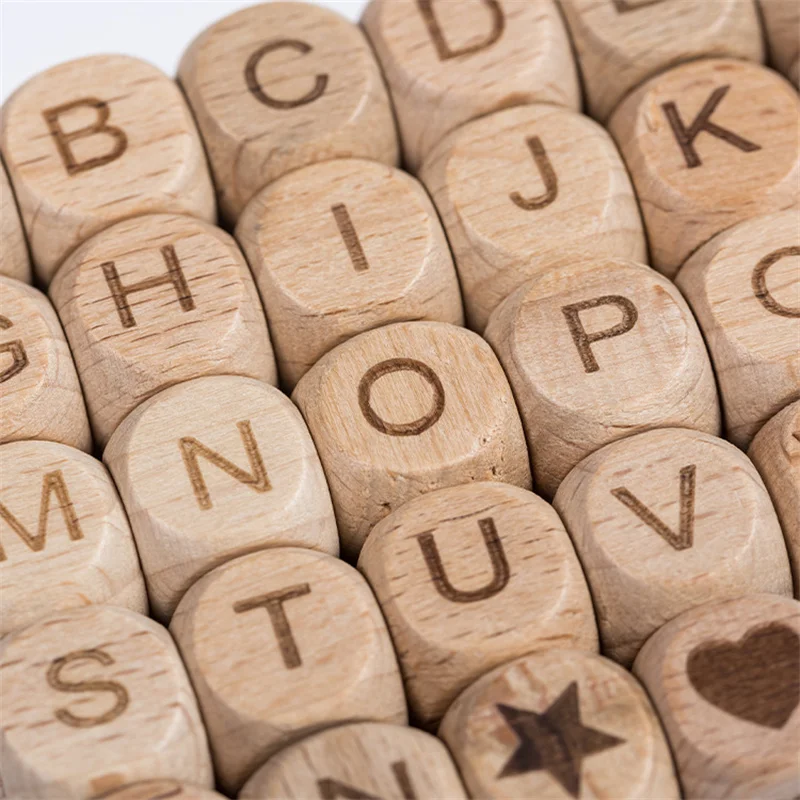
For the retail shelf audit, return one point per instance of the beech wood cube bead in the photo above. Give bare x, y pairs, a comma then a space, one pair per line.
40, 396
622, 43
94, 698
744, 288
453, 571
447, 63
279, 644
526, 190
160, 790
360, 760
556, 724
212, 469
667, 520
282, 85
64, 537
14, 261
776, 453
725, 679
367, 250
708, 144
405, 409
596, 351
781, 24
154, 301
96, 140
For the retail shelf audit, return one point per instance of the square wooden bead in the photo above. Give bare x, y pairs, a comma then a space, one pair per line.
153, 301
279, 86
160, 790
367, 250
96, 140
40, 396
14, 260
781, 24
447, 63
405, 409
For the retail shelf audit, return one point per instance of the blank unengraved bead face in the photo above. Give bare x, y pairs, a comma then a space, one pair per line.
14, 261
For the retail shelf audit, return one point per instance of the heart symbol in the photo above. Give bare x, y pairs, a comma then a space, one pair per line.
756, 679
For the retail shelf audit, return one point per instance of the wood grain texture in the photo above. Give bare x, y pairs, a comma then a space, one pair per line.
279, 86
14, 259
359, 760
160, 790
94, 698
776, 453
665, 521
526, 190
97, 140
725, 680
781, 25
597, 351
131, 338
622, 43
405, 409
744, 289
559, 724
40, 396
212, 469
447, 63
708, 144
279, 644
367, 250
453, 571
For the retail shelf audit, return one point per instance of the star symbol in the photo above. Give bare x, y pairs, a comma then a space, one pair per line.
555, 741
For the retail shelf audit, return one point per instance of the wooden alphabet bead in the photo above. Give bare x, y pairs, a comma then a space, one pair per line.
453, 571
622, 43
405, 409
781, 24
94, 698
368, 250
40, 396
153, 301
447, 63
776, 453
14, 261
214, 468
725, 680
596, 351
360, 760
556, 724
279, 86
279, 644
96, 140
744, 289
64, 537
708, 144
664, 521
526, 190
160, 790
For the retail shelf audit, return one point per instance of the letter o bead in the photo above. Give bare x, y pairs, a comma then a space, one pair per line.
14, 260
405, 409
279, 86
95, 698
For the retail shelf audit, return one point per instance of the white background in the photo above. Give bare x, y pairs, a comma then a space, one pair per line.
36, 34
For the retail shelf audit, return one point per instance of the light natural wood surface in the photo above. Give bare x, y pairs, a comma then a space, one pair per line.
97, 140
708, 144
453, 571
725, 680
559, 724
367, 250
153, 301
14, 259
744, 289
776, 453
622, 43
40, 396
280, 644
596, 351
279, 86
526, 190
447, 63
665, 521
212, 469
64, 538
782, 29
160, 790
405, 409
94, 698
359, 760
